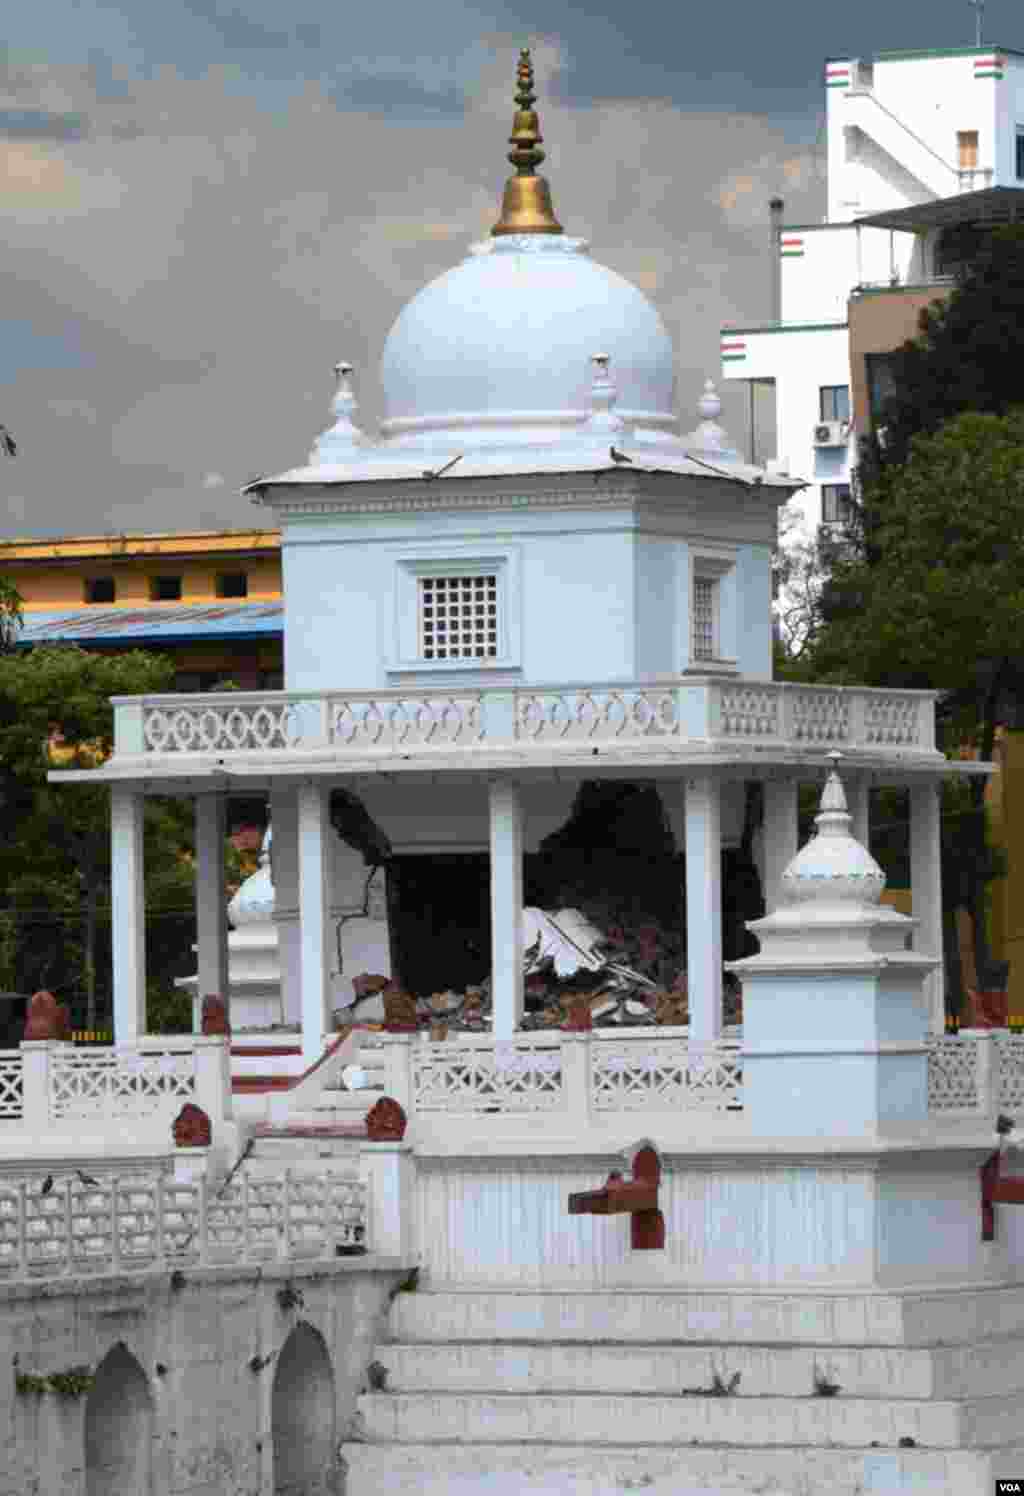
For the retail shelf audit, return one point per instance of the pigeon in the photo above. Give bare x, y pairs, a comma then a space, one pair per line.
87, 1179
47, 1185
1005, 1125
8, 443
427, 473
617, 456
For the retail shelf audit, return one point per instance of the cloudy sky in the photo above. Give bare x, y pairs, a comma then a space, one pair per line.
207, 203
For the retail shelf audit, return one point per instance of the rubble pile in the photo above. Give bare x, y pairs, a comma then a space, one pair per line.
576, 976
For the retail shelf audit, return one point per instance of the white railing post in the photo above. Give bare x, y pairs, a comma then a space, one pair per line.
858, 706
35, 1084
398, 1070
129, 727
986, 1072
499, 720
577, 1069
387, 1171
115, 1231
213, 1078
22, 1245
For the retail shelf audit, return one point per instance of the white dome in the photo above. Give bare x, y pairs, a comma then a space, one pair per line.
500, 347
254, 902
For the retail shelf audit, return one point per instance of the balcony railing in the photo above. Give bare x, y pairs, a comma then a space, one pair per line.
729, 713
149, 1221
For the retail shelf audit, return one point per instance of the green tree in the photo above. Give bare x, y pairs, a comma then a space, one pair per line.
968, 355
55, 712
939, 604
10, 614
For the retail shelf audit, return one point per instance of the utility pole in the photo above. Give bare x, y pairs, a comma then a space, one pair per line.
978, 6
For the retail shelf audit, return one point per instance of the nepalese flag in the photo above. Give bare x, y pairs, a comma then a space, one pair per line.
791, 247
838, 75
733, 349
989, 66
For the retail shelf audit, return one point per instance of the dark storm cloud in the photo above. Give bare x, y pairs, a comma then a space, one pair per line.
206, 205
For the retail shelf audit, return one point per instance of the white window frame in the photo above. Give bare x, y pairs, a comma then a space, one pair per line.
502, 563
719, 568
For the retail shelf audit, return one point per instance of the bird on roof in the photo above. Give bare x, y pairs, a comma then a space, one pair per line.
617, 456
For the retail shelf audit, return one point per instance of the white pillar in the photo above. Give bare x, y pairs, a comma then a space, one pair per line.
128, 914
211, 898
926, 892
779, 835
506, 820
858, 798
284, 863
314, 916
704, 906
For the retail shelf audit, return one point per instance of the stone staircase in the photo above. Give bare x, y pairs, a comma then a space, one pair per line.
595, 1393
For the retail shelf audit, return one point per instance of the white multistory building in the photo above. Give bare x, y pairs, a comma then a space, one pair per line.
924, 150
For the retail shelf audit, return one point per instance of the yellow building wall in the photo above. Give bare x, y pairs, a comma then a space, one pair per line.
52, 574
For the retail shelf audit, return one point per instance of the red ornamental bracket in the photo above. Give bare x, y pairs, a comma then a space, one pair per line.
997, 1189
636, 1197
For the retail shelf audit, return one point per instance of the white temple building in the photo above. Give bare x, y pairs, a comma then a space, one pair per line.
528, 581
525, 580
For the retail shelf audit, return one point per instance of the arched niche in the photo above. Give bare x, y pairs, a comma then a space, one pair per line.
119, 1428
303, 1416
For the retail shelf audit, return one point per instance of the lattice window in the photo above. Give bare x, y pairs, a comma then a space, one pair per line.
458, 617
702, 632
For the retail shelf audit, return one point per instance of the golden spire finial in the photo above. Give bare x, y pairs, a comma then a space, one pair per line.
526, 206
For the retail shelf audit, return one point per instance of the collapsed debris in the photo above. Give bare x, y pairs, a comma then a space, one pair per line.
575, 976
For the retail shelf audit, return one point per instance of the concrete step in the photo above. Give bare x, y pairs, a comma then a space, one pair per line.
609, 1470
945, 1316
987, 1370
304, 1145
637, 1418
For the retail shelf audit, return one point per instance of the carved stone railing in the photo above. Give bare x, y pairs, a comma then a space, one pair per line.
149, 1221
52, 1085
115, 1084
11, 1084
976, 1073
723, 713
666, 1075
481, 1075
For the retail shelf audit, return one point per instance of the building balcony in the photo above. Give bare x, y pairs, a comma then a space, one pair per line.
669, 719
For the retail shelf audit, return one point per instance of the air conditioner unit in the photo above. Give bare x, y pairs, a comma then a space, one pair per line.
831, 434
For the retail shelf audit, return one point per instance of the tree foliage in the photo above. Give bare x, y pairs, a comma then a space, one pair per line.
938, 603
967, 355
55, 712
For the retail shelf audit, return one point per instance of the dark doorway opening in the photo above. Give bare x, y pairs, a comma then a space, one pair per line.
439, 907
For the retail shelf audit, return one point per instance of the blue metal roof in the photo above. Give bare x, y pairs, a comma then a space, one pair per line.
156, 624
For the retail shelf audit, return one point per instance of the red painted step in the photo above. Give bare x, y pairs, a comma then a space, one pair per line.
249, 1085
264, 1051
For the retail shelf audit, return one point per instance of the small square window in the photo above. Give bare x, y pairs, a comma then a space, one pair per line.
100, 590
457, 617
836, 504
164, 589
834, 400
232, 584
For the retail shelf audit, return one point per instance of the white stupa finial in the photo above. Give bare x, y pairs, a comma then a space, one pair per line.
603, 419
709, 407
833, 868
341, 440
709, 437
